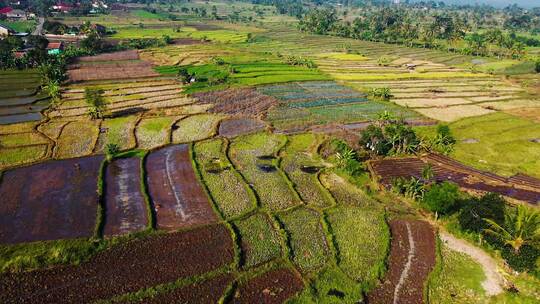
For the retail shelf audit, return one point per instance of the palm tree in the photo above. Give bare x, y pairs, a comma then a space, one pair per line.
344, 157
521, 227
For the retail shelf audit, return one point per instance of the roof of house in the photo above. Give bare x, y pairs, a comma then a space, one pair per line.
7, 28
17, 12
5, 10
54, 45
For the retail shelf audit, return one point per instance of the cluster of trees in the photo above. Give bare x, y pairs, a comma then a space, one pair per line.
446, 30
515, 231
390, 136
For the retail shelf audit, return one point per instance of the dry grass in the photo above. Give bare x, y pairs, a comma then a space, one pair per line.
454, 113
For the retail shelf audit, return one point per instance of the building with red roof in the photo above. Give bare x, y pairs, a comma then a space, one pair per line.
5, 10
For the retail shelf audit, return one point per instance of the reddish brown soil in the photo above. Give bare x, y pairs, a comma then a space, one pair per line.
122, 55
124, 268
207, 292
240, 126
186, 41
49, 201
410, 288
446, 169
178, 198
272, 287
525, 181
119, 70
125, 205
237, 101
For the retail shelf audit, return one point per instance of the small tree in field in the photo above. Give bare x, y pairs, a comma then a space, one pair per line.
95, 101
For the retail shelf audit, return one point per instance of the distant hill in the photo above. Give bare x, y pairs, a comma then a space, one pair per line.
497, 3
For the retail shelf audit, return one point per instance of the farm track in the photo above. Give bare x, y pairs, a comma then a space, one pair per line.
412, 257
127, 267
446, 169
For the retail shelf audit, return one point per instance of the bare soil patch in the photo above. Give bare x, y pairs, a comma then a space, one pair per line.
125, 204
49, 201
122, 55
412, 257
178, 198
124, 268
240, 126
237, 101
207, 292
272, 287
110, 66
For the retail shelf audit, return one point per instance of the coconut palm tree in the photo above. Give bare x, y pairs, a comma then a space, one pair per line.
521, 227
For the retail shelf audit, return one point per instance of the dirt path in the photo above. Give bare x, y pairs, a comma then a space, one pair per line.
494, 280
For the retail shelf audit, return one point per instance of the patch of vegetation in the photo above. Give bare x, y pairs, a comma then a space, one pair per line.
259, 239
226, 187
458, 281
363, 240
306, 238
301, 166
254, 156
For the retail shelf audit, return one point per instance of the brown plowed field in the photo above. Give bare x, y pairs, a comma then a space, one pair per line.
412, 257
122, 55
49, 201
240, 126
446, 169
109, 71
124, 268
125, 204
237, 101
271, 288
178, 198
207, 292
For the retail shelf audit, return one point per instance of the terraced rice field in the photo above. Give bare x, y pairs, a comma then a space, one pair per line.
446, 169
259, 240
124, 98
195, 128
412, 257
313, 103
20, 100
307, 239
178, 198
180, 255
300, 163
226, 186
272, 287
155, 132
237, 101
240, 126
123, 65
254, 157
50, 201
124, 201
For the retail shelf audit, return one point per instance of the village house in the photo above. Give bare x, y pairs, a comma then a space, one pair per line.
55, 48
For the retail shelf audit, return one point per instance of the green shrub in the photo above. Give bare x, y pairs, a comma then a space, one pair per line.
381, 93
526, 260
443, 198
474, 211
537, 66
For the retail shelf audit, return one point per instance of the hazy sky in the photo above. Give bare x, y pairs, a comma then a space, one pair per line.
499, 3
